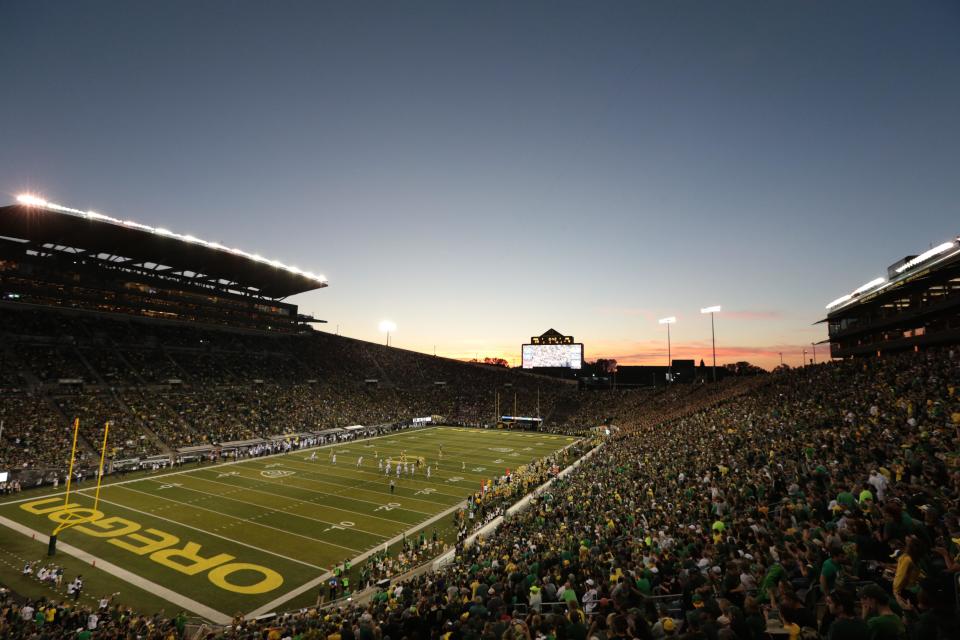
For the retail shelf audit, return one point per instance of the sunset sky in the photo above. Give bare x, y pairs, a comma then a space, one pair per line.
481, 172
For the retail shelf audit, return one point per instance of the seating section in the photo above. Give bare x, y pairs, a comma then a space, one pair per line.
822, 502
166, 386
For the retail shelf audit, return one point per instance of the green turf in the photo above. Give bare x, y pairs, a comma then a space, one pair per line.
291, 515
17, 549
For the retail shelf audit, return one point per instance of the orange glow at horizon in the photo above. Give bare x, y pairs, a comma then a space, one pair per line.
655, 354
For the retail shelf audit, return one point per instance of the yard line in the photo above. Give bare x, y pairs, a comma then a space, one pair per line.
350, 472
220, 465
376, 476
469, 459
399, 435
266, 608
211, 533
261, 506
118, 572
288, 497
328, 493
258, 524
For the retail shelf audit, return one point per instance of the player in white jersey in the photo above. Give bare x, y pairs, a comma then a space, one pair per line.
428, 471
359, 461
334, 459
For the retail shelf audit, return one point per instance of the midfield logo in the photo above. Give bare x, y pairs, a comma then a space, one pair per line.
276, 473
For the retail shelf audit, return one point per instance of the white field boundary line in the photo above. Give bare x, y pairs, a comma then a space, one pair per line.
192, 605
328, 494
355, 561
468, 452
209, 533
220, 465
127, 576
378, 475
331, 493
224, 496
242, 520
273, 604
322, 470
313, 504
349, 488
444, 558
288, 497
437, 479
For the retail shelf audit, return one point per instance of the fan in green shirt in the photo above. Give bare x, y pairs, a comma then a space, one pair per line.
849, 629
830, 570
770, 581
883, 623
888, 626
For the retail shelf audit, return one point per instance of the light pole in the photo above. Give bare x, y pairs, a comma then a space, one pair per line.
804, 357
781, 358
386, 326
669, 321
713, 336
814, 345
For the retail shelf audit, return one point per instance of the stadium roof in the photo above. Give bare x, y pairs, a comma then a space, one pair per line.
160, 250
907, 270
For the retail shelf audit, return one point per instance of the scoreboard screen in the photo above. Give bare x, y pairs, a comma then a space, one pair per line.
569, 356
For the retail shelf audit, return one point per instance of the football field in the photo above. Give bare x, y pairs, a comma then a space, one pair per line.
247, 536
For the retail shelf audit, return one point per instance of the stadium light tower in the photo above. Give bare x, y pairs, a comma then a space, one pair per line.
386, 326
713, 336
669, 321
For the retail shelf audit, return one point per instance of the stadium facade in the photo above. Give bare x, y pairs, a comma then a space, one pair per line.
915, 306
52, 255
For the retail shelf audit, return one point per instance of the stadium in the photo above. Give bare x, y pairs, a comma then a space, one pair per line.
176, 433
479, 321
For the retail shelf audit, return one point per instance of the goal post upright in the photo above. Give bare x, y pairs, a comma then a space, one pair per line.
103, 453
52, 547
70, 521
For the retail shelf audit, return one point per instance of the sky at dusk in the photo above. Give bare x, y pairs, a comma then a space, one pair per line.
479, 172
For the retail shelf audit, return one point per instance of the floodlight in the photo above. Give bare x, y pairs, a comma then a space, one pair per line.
926, 255
839, 301
876, 282
31, 200
669, 320
714, 309
386, 326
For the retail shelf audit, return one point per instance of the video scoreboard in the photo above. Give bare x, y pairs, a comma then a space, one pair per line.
552, 350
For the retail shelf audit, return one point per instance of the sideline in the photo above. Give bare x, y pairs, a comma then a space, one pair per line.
219, 465
267, 608
270, 606
127, 576
447, 557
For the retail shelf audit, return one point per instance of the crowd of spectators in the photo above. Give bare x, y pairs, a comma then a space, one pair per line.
822, 502
819, 503
164, 387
